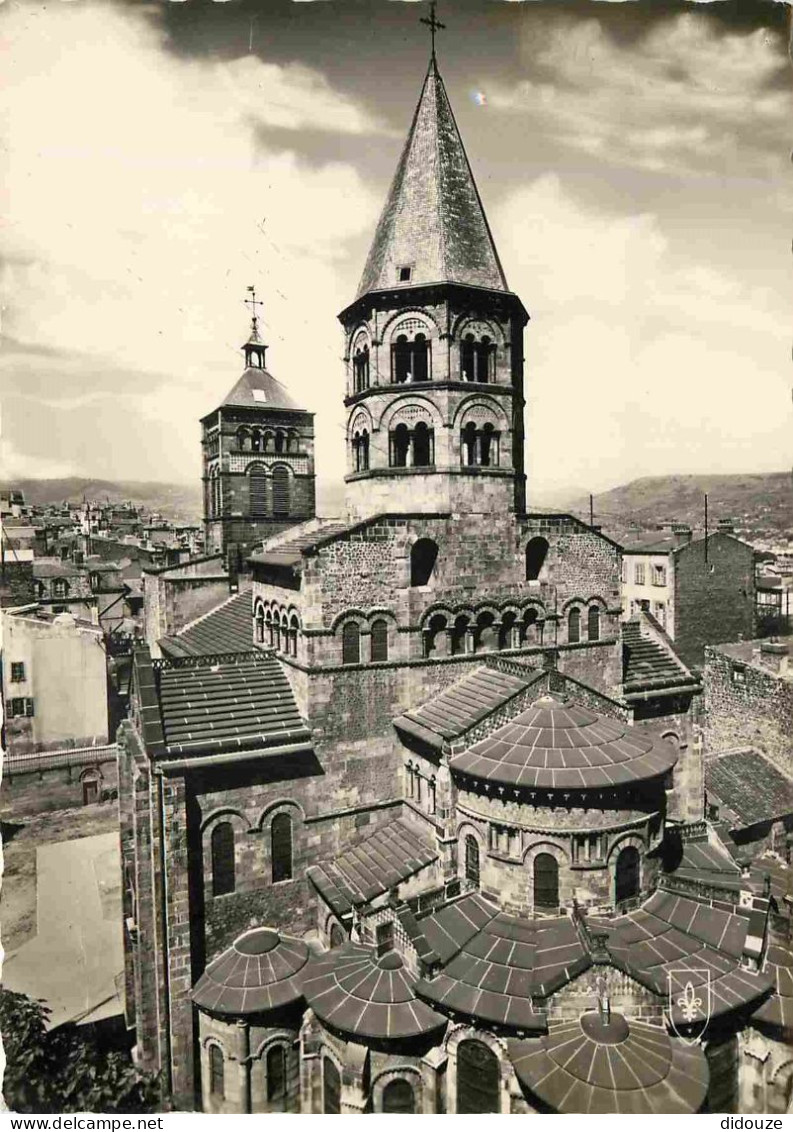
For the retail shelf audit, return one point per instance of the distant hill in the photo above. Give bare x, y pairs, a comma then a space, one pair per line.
179, 502
756, 502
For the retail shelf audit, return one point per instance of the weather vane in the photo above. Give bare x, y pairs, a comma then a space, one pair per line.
433, 24
253, 303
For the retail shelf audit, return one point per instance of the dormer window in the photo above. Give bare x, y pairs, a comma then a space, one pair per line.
405, 273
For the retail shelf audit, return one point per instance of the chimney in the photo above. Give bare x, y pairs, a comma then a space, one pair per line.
682, 533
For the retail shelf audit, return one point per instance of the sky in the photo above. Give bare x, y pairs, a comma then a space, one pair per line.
158, 158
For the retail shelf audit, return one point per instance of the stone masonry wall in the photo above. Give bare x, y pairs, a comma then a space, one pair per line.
714, 599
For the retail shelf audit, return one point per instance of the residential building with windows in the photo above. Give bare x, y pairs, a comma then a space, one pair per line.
700, 590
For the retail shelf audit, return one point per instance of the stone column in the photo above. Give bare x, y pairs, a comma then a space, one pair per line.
243, 1056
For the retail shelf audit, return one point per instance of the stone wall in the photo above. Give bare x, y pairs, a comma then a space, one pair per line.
176, 595
714, 597
747, 705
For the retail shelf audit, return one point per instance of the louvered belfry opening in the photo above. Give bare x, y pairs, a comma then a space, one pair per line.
257, 481
280, 492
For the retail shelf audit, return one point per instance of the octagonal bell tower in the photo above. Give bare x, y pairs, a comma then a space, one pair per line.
434, 342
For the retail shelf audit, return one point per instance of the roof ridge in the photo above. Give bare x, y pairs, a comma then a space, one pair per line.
215, 609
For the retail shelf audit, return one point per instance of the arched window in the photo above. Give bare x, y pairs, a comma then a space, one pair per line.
242, 438
260, 625
257, 490
400, 446
216, 1082
256, 441
281, 847
410, 359
423, 556
294, 629
267, 442
486, 638
477, 358
546, 883
360, 449
379, 640
627, 874
279, 441
459, 635
337, 936
536, 551
268, 621
478, 1078
472, 859
275, 1068
574, 625
468, 445
528, 627
351, 643
292, 442
223, 858
593, 623
361, 368
331, 1087
280, 492
436, 638
423, 446
398, 1096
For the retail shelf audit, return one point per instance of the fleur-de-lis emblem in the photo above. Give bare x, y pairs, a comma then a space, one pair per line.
690, 1004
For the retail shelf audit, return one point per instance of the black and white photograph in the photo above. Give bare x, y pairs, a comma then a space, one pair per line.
396, 559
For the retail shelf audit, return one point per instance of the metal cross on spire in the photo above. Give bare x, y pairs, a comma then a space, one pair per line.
253, 303
433, 24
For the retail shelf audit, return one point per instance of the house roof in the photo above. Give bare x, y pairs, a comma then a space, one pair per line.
353, 991
467, 702
57, 568
259, 972
588, 1066
647, 664
378, 862
258, 389
702, 862
433, 219
558, 744
749, 785
225, 629
241, 703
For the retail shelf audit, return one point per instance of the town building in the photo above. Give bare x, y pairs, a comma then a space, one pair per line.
700, 590
414, 826
258, 459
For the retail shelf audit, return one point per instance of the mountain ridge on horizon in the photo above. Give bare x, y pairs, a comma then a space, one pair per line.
652, 499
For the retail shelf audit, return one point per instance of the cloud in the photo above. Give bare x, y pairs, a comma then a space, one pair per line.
16, 465
686, 97
639, 361
140, 197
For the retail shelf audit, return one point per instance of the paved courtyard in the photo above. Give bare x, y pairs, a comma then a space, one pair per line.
75, 962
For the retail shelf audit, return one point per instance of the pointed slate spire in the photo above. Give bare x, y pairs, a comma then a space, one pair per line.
433, 222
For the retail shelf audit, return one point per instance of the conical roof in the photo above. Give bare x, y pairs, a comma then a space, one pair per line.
261, 971
433, 220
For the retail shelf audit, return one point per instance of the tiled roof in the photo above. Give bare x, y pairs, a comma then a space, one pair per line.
467, 702
561, 745
670, 932
55, 568
750, 786
587, 1066
707, 863
259, 972
494, 963
239, 704
290, 550
269, 393
227, 628
353, 991
376, 864
646, 664
433, 220
778, 1009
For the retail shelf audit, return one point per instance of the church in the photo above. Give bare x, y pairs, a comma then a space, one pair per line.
414, 823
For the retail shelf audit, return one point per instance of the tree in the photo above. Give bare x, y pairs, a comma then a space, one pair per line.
65, 1070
